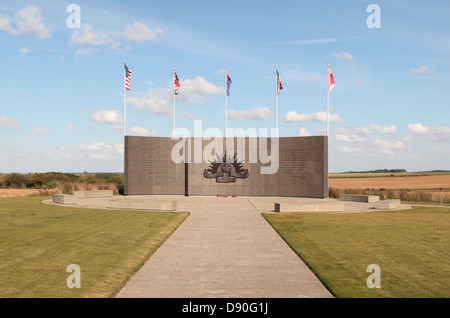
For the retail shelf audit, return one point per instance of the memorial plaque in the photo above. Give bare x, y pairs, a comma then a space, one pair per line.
301, 169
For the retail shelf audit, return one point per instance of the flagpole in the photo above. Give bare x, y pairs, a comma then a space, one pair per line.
174, 94
328, 99
276, 104
226, 102
124, 102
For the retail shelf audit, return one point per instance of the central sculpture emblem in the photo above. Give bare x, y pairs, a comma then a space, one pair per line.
226, 171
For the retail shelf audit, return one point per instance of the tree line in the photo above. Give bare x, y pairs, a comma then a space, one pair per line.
51, 180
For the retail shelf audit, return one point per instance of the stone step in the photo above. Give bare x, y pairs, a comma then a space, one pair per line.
359, 198
309, 207
65, 199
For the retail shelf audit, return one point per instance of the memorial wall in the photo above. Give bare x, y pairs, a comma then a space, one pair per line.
288, 166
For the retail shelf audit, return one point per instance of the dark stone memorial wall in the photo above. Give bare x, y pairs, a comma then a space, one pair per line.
298, 167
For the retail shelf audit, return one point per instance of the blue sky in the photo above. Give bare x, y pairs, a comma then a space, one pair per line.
61, 103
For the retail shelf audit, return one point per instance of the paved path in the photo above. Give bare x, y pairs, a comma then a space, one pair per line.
225, 248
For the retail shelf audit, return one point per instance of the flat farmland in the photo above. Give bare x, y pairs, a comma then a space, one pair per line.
393, 183
15, 193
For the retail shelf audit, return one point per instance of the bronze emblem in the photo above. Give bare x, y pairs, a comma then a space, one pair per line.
226, 171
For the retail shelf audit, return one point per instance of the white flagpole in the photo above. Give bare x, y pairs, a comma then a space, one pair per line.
226, 101
328, 99
124, 101
276, 104
174, 90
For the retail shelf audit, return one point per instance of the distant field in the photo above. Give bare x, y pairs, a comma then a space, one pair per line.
416, 182
14, 193
385, 174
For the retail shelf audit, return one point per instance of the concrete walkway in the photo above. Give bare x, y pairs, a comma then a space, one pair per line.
225, 248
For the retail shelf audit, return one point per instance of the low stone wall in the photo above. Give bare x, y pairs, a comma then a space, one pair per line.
388, 204
359, 198
93, 194
143, 204
65, 199
309, 207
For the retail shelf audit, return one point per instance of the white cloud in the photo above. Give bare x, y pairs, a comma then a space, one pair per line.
193, 91
257, 114
346, 149
154, 100
434, 133
314, 77
345, 56
89, 36
85, 52
106, 117
141, 33
293, 116
388, 147
388, 144
8, 122
5, 25
101, 151
142, 131
201, 86
26, 50
159, 100
70, 127
422, 70
303, 132
40, 132
351, 138
362, 131
388, 130
417, 129
358, 82
29, 21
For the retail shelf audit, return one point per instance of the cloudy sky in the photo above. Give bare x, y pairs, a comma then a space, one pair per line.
61, 106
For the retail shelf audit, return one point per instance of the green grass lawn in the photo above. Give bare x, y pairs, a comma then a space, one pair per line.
412, 248
38, 242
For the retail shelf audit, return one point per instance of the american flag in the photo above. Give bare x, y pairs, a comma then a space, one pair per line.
127, 77
176, 83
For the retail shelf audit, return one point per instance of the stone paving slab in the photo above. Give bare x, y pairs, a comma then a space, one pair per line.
225, 248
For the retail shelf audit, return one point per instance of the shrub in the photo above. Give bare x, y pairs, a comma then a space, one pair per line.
52, 184
15, 180
116, 179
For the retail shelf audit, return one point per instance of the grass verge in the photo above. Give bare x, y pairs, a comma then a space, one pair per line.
412, 248
38, 242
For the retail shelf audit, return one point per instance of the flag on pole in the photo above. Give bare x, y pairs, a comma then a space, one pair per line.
229, 82
176, 83
127, 77
279, 85
330, 80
